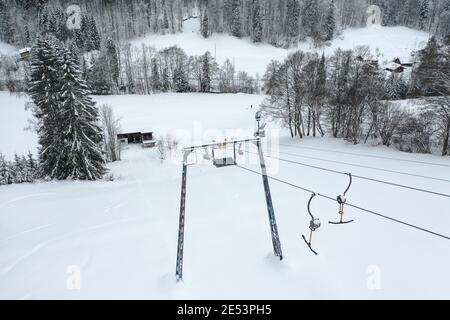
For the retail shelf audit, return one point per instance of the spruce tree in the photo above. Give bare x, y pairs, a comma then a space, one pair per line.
165, 81
310, 17
93, 33
5, 173
206, 74
447, 40
45, 91
18, 169
236, 24
321, 79
85, 35
257, 26
113, 60
32, 167
293, 19
395, 87
330, 23
81, 134
205, 25
69, 136
6, 29
423, 76
155, 79
424, 12
180, 80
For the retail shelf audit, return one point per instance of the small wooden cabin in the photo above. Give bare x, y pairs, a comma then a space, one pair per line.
25, 54
408, 64
369, 62
398, 66
144, 138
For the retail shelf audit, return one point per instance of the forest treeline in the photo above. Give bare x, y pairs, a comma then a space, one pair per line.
347, 95
278, 22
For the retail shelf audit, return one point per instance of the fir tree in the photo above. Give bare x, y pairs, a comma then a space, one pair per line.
45, 92
81, 134
321, 79
113, 61
257, 26
82, 36
205, 84
310, 17
395, 87
155, 79
165, 81
18, 169
180, 80
293, 18
32, 167
424, 12
236, 24
93, 34
205, 25
5, 173
330, 23
447, 40
165, 20
423, 77
69, 137
6, 29
27, 38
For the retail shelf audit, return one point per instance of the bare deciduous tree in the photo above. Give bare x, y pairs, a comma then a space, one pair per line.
110, 131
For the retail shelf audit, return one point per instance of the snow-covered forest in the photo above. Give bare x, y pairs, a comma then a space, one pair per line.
280, 22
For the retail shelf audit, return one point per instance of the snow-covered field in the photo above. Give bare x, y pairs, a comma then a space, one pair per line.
7, 48
393, 42
122, 235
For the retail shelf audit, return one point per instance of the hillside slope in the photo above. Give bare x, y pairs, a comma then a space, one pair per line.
122, 235
391, 42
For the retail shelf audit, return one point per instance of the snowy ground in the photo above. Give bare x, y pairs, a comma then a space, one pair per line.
392, 42
122, 235
7, 48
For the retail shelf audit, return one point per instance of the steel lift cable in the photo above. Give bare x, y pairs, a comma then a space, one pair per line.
404, 223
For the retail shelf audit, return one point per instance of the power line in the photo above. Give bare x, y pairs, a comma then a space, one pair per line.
359, 177
366, 155
365, 167
351, 205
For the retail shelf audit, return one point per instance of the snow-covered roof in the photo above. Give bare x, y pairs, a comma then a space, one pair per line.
25, 50
134, 130
392, 66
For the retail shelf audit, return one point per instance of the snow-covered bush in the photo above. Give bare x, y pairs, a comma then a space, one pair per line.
415, 133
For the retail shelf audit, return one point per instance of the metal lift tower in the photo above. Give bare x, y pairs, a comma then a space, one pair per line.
224, 163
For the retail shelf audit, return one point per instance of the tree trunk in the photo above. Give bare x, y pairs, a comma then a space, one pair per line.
314, 123
309, 122
445, 149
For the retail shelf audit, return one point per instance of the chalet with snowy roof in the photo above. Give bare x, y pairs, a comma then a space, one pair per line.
399, 65
369, 62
